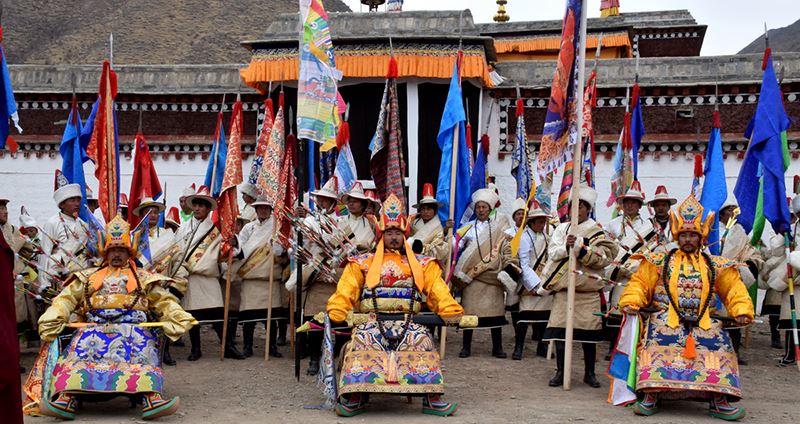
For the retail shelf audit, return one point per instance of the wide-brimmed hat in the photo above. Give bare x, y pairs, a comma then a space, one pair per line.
173, 217
63, 190
356, 192
373, 197
204, 194
261, 201
635, 192
536, 211
148, 202
328, 190
428, 197
123, 200
189, 190
662, 195
90, 194
248, 189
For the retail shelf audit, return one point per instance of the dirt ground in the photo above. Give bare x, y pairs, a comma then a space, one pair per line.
488, 390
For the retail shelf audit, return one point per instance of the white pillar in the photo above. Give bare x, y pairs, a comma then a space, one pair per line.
412, 159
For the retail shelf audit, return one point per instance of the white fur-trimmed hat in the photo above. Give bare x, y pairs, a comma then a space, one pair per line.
587, 194
518, 205
249, 189
486, 195
64, 190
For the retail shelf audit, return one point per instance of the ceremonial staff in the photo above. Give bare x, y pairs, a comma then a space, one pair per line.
573, 213
298, 301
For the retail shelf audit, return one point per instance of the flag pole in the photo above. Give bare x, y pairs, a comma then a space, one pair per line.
573, 215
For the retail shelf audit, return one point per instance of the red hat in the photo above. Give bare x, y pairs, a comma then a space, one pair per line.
123, 200
662, 194
428, 197
172, 217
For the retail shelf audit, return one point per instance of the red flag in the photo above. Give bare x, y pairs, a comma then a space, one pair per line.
103, 148
144, 182
228, 207
289, 194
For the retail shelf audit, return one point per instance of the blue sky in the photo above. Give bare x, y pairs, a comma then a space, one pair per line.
732, 24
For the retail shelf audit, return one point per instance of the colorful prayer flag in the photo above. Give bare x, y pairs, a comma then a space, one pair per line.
73, 155
560, 124
636, 130
268, 179
317, 112
386, 163
622, 368
288, 197
520, 159
345, 172
261, 143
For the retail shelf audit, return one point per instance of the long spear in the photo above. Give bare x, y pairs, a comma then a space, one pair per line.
573, 214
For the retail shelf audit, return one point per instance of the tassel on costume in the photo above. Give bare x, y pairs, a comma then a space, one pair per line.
689, 350
391, 368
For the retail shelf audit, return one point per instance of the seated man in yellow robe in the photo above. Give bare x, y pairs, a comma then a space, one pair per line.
396, 357
685, 353
115, 350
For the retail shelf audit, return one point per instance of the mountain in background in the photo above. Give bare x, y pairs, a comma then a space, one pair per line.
145, 31
786, 39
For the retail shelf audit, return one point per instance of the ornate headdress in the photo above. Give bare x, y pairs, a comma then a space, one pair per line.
118, 234
392, 216
689, 218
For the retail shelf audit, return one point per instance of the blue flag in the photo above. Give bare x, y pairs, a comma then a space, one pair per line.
453, 117
715, 189
765, 197
8, 106
219, 151
637, 130
73, 156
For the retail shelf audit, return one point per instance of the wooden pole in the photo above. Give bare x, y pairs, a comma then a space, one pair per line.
573, 213
450, 236
226, 311
291, 321
269, 298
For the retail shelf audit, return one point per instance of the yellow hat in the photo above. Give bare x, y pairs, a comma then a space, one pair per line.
689, 218
118, 234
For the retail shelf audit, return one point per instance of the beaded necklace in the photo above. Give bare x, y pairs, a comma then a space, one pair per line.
480, 254
688, 321
395, 342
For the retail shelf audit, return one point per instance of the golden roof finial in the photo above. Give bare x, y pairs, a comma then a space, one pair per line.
501, 15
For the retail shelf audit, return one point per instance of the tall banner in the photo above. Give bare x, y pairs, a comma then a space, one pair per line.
317, 112
103, 146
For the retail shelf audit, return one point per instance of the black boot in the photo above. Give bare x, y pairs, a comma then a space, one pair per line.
167, 360
775, 334
497, 343
558, 379
248, 329
520, 330
273, 345
314, 351
589, 358
736, 340
231, 351
282, 326
194, 340
538, 334
788, 357
466, 344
